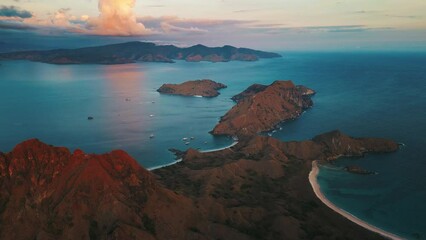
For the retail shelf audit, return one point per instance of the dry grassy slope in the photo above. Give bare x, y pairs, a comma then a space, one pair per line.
260, 108
260, 187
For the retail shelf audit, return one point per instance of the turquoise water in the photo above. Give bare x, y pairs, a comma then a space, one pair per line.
362, 94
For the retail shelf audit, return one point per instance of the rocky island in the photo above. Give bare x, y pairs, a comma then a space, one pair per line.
260, 108
132, 52
203, 88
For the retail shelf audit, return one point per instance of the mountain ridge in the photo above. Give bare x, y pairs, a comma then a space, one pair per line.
135, 51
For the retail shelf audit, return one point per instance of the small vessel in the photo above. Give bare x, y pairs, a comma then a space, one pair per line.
187, 143
192, 138
89, 118
152, 115
151, 136
185, 139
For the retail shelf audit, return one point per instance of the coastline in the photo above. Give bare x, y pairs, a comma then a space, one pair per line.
313, 174
164, 165
219, 149
180, 159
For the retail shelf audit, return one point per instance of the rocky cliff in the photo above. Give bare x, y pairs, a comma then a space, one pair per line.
204, 88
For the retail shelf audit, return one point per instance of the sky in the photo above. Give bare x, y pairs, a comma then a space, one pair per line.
320, 25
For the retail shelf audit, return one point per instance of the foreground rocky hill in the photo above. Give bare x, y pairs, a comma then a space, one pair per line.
204, 88
47, 192
131, 52
257, 190
260, 108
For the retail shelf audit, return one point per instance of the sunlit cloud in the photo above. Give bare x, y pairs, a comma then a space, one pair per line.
168, 28
116, 18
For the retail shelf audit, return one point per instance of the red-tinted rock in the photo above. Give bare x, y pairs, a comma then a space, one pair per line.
204, 88
257, 189
261, 108
49, 193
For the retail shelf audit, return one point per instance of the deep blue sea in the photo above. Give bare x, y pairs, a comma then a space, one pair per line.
362, 94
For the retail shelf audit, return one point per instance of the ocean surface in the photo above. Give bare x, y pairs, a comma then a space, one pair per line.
362, 94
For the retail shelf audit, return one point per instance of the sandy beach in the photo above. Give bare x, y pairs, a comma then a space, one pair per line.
164, 165
202, 151
219, 149
316, 187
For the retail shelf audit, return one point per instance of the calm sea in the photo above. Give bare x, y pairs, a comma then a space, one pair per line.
362, 94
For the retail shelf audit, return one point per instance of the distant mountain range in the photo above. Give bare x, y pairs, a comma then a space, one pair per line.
131, 52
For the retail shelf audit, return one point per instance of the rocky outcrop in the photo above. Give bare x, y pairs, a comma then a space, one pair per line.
50, 193
204, 88
260, 108
131, 52
256, 190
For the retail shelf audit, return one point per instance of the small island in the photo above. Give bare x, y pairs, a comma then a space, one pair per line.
197, 88
261, 108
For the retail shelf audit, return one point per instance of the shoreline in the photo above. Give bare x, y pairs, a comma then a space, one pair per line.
180, 159
313, 174
219, 149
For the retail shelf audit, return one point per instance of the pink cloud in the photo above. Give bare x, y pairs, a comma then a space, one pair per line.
116, 18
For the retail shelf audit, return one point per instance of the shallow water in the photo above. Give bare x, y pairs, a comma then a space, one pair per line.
362, 94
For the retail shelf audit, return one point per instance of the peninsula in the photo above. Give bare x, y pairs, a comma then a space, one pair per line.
257, 190
202, 88
132, 52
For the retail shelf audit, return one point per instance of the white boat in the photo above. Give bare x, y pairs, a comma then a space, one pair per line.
185, 139
151, 136
187, 143
152, 115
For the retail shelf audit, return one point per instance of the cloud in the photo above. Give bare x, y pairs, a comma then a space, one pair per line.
62, 17
14, 25
337, 28
117, 19
12, 11
155, 6
383, 14
168, 28
403, 16
170, 24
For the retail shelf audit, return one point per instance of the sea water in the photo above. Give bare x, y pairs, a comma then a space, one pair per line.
361, 94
